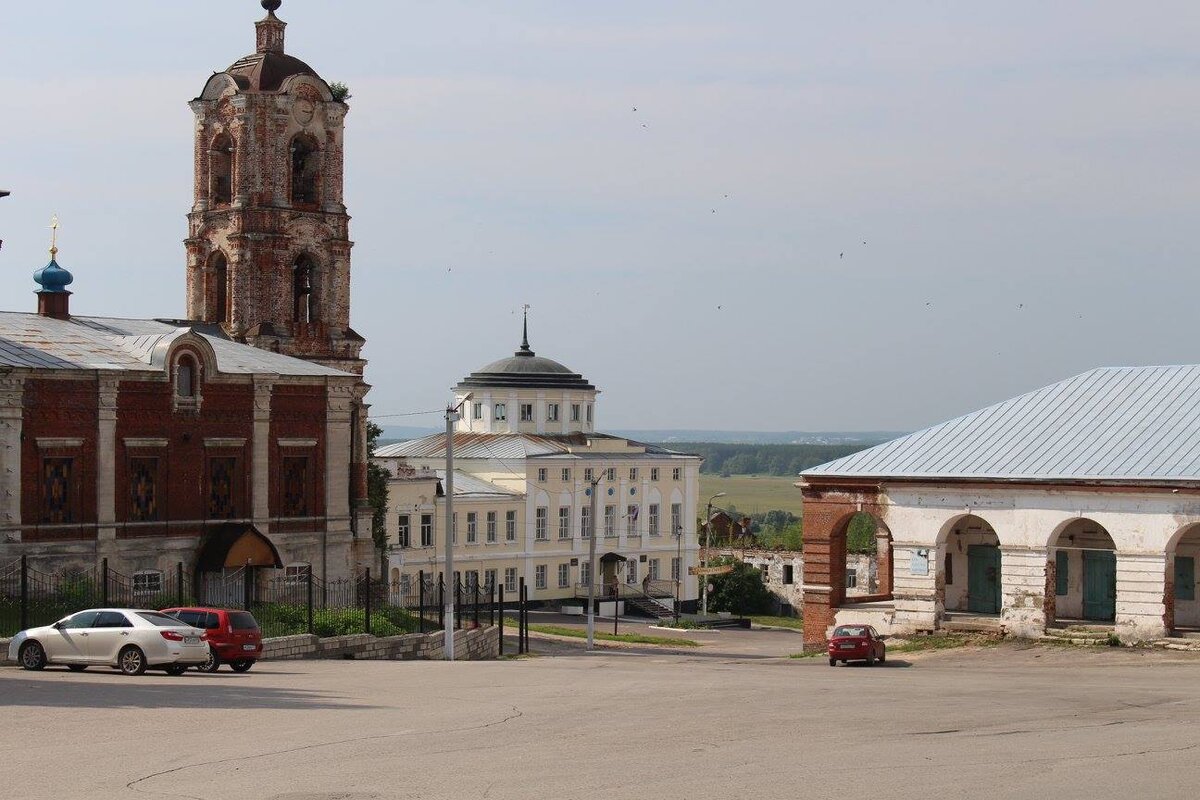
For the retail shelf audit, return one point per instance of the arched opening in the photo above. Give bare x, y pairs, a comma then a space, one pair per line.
218, 292
304, 304
866, 559
1183, 607
968, 569
305, 170
185, 377
1082, 561
220, 170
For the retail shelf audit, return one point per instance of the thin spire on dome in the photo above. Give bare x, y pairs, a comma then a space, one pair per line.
524, 351
53, 236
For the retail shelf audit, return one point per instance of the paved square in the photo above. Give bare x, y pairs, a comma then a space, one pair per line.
1008, 721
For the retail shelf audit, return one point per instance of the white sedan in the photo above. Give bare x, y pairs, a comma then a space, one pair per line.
130, 640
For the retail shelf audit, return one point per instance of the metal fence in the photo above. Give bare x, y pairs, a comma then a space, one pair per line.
287, 604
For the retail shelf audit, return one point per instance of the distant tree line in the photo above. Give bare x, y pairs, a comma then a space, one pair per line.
783, 530
764, 459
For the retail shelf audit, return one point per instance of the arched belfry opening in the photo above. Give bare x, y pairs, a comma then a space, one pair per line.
304, 292
220, 170
218, 289
305, 159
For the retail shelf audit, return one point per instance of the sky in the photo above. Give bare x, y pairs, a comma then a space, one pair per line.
727, 215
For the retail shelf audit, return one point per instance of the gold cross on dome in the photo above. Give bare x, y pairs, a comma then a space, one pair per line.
53, 235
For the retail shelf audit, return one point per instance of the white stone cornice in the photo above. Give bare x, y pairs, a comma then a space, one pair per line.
144, 441
225, 441
297, 442
49, 442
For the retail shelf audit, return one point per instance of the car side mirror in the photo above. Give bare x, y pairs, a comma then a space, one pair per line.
58, 626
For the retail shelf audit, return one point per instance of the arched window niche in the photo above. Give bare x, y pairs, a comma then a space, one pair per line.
220, 170
305, 159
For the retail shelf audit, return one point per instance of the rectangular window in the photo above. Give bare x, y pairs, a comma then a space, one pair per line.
588, 475
297, 573
539, 576
489, 579
675, 568
566, 474
585, 574
610, 521
526, 412
472, 527
564, 522
851, 579
541, 474
652, 518
221, 488
574, 412
631, 517
295, 488
143, 489
454, 528
633, 473
510, 526
541, 524
611, 474
654, 473
675, 472
589, 414
1185, 578
403, 531
491, 527
427, 530
499, 413
631, 571
147, 582
585, 527
551, 416
477, 411
510, 579
472, 579
405, 585
950, 570
676, 518
564, 575
788, 574
652, 569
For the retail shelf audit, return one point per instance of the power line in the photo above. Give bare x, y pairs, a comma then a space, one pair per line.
408, 414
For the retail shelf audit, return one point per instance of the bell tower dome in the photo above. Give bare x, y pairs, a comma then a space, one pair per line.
268, 247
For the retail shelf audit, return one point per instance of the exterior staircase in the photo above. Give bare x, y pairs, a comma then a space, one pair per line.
648, 607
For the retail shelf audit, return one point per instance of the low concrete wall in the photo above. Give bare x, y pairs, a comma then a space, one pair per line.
469, 645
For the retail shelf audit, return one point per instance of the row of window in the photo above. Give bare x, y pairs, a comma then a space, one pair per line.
60, 493
541, 574
610, 474
304, 152
541, 526
500, 412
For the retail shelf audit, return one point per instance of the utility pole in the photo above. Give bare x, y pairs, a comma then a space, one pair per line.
591, 618
704, 554
679, 573
448, 599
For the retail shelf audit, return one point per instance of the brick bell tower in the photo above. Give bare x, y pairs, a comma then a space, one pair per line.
268, 248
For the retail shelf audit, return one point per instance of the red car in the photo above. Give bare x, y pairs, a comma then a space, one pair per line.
233, 636
856, 643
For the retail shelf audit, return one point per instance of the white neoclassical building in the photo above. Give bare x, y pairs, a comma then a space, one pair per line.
1077, 503
525, 452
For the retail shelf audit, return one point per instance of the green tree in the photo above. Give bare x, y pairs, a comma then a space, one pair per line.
377, 478
860, 534
740, 591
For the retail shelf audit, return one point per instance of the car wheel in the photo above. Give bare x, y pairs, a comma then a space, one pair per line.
177, 669
242, 664
883, 657
131, 661
870, 659
77, 667
212, 664
32, 656
833, 662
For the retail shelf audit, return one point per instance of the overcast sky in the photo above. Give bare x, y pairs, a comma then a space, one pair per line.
820, 216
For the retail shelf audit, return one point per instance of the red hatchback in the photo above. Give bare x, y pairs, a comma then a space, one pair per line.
233, 636
856, 643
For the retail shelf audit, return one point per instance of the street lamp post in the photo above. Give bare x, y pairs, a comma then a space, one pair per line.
679, 573
704, 553
448, 600
591, 617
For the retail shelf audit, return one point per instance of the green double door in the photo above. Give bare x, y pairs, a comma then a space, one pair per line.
983, 578
1099, 585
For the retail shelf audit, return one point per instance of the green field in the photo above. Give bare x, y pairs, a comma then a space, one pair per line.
751, 494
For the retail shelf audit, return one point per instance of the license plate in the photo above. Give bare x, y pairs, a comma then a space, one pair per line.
247, 647
846, 646
191, 640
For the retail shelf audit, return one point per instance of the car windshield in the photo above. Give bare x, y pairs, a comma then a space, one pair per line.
242, 621
161, 620
850, 630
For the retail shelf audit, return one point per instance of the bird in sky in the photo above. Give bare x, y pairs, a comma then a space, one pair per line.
1020, 306
635, 108
841, 255
718, 308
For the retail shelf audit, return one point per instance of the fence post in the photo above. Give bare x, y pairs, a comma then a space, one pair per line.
521, 615
524, 617
420, 601
476, 588
457, 605
492, 606
499, 590
247, 583
367, 604
442, 601
179, 582
104, 581
308, 581
24, 592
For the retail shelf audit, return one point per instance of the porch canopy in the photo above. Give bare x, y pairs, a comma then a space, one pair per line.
612, 558
236, 544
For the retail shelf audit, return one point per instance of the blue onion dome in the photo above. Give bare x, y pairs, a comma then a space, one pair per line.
52, 277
